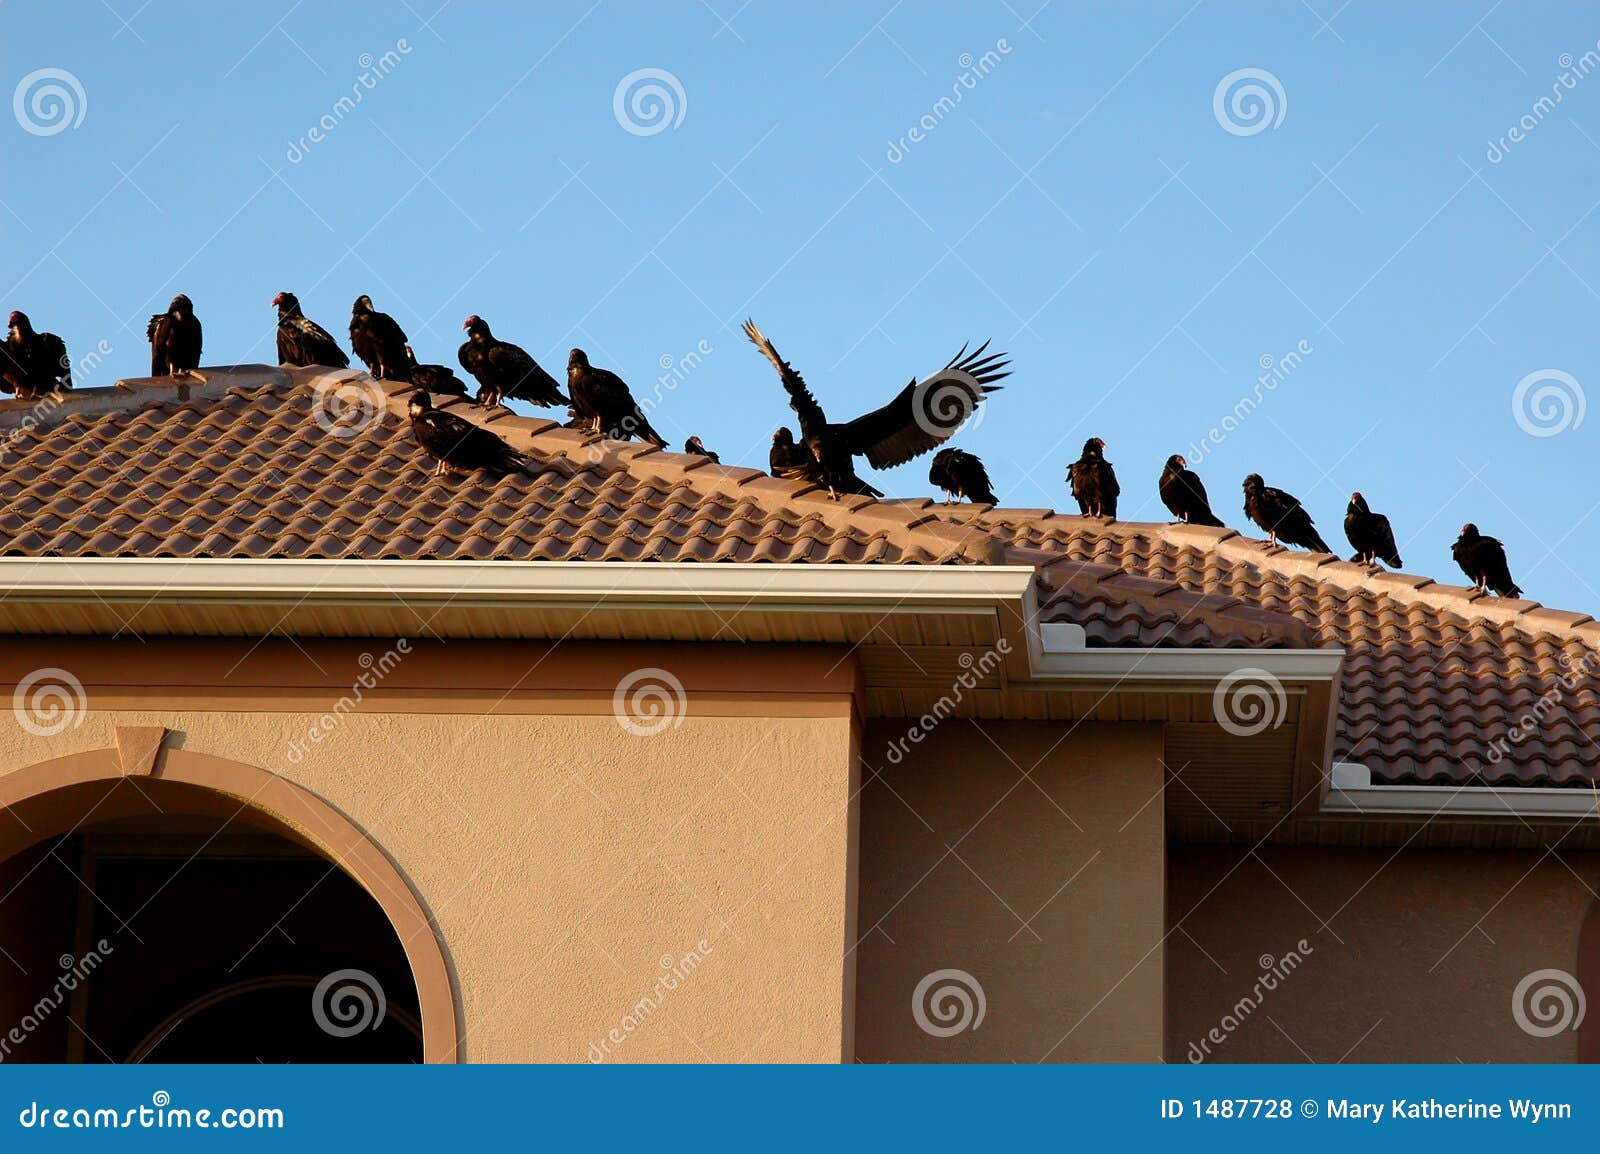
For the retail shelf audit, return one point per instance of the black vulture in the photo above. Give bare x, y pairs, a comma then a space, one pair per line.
458, 445
434, 379
301, 341
1184, 495
1369, 534
1094, 481
922, 416
694, 446
36, 363
503, 370
960, 474
606, 402
1484, 560
379, 341
174, 339
1280, 515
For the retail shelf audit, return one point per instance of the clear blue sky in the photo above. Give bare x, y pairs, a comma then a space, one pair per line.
1082, 205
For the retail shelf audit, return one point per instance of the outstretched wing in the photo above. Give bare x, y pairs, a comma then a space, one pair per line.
927, 413
812, 419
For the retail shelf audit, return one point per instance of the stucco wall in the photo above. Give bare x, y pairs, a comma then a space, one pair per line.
1413, 956
562, 858
1030, 856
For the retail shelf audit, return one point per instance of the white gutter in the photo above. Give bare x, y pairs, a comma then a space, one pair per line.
1351, 791
880, 588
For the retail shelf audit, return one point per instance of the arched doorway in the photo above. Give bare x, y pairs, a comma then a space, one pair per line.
208, 912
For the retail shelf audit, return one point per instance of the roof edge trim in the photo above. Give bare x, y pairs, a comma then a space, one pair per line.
1352, 793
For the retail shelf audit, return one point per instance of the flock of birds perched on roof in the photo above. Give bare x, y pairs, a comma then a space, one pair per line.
34, 365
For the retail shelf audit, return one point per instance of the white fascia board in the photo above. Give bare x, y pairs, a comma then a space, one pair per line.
1353, 793
880, 588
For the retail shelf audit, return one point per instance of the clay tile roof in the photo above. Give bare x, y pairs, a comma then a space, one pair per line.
1440, 685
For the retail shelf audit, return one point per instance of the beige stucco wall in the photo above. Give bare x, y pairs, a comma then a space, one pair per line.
1030, 856
561, 857
1414, 956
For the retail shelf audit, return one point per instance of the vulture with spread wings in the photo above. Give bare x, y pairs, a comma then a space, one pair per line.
921, 417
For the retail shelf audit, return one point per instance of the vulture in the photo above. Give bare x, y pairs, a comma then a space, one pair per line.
1369, 534
35, 364
174, 339
1094, 481
1280, 515
1183, 494
604, 400
960, 474
693, 446
458, 445
503, 370
787, 459
1484, 560
922, 416
378, 341
433, 378
301, 341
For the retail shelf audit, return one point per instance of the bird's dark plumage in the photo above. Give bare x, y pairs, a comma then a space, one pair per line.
1184, 495
1484, 560
33, 364
504, 370
1281, 515
439, 380
787, 459
379, 341
695, 446
301, 341
459, 446
175, 339
1369, 534
960, 474
922, 416
606, 401
1094, 481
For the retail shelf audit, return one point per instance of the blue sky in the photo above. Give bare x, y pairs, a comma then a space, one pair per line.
1084, 204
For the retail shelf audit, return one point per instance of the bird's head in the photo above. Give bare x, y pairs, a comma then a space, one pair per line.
1093, 447
1469, 532
783, 436
1358, 504
1176, 462
181, 305
420, 403
363, 304
577, 359
474, 326
1253, 482
694, 444
286, 303
18, 320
